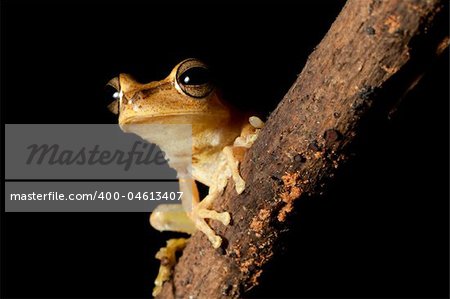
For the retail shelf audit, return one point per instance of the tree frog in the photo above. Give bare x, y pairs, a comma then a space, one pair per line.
220, 137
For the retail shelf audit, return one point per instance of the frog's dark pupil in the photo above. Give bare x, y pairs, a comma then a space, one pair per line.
195, 76
110, 93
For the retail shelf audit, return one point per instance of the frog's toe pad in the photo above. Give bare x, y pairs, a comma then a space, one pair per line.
256, 122
240, 186
216, 241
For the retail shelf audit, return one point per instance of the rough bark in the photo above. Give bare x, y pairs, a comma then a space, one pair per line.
372, 54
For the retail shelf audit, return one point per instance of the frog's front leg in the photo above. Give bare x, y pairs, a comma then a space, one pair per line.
173, 217
235, 154
191, 214
169, 217
195, 211
228, 167
201, 210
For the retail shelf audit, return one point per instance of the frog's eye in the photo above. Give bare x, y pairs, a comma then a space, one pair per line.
112, 93
194, 78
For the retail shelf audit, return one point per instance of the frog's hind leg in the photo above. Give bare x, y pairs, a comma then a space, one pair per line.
173, 217
167, 256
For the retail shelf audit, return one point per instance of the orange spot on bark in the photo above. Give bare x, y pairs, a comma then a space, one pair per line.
291, 192
393, 23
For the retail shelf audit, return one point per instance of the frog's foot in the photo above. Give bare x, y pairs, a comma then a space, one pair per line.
167, 256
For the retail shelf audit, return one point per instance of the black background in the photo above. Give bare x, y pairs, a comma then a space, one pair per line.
380, 231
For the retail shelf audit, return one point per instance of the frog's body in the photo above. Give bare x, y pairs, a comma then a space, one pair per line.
220, 135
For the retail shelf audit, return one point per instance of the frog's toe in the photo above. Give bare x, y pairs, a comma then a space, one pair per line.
215, 240
226, 218
239, 185
200, 214
223, 217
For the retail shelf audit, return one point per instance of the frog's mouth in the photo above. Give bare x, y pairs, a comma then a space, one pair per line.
185, 117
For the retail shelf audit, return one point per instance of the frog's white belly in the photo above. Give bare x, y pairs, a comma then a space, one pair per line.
201, 158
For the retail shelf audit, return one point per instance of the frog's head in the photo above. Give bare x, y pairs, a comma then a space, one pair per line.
187, 95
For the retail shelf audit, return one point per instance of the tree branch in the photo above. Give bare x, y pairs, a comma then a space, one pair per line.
371, 55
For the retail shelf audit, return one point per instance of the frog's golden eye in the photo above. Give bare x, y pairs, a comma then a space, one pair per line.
194, 78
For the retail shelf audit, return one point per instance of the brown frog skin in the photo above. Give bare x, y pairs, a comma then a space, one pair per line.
219, 139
